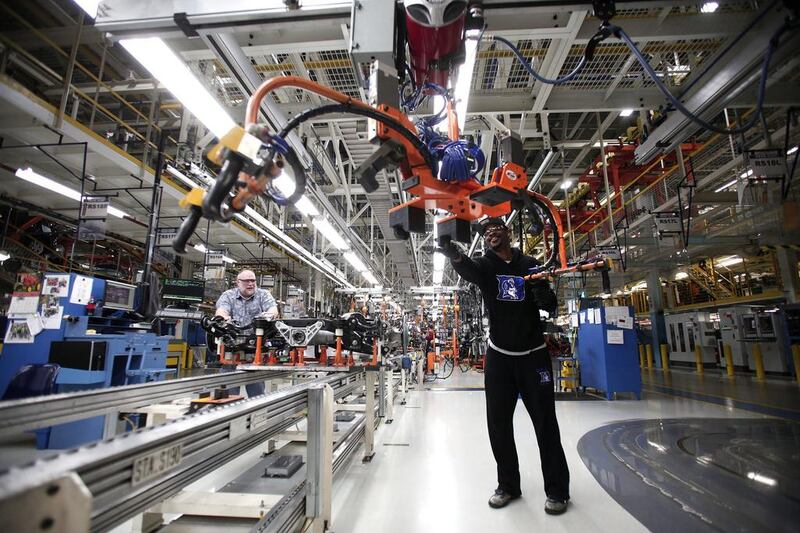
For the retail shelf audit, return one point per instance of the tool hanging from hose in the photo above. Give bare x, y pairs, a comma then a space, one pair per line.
252, 159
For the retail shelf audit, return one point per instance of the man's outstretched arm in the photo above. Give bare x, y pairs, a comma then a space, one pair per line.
463, 265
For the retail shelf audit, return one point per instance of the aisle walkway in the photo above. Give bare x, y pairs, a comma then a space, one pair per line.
433, 470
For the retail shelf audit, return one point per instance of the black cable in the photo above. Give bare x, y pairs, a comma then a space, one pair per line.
789, 170
369, 113
532, 72
762, 85
530, 203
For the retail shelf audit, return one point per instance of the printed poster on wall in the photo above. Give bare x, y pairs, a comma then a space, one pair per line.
81, 290
50, 311
19, 332
56, 285
25, 296
615, 336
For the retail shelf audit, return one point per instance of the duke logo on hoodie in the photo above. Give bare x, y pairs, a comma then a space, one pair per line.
510, 288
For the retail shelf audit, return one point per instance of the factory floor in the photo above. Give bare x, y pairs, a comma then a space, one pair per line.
693, 454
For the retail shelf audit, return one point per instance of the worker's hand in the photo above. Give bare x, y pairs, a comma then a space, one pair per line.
450, 251
269, 315
544, 295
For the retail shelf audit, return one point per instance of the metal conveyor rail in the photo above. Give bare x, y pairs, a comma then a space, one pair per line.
17, 416
123, 476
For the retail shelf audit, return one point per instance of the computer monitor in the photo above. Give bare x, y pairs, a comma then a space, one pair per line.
119, 296
183, 290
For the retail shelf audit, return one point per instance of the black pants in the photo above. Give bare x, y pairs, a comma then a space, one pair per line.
530, 376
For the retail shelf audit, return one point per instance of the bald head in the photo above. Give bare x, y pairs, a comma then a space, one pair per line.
246, 283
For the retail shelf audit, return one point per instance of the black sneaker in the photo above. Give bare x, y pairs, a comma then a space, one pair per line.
500, 498
553, 506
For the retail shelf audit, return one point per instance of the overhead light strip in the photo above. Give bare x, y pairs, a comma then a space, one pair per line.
33, 177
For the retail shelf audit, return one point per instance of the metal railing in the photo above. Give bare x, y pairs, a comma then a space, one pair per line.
142, 120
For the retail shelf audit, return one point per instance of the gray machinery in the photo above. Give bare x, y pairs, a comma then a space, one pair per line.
742, 327
685, 332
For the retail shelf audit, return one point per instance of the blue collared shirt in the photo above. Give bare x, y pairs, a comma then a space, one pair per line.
244, 310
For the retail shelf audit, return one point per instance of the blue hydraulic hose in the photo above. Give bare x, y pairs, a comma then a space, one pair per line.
773, 43
529, 68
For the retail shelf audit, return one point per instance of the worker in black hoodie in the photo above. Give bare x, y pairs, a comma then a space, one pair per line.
517, 362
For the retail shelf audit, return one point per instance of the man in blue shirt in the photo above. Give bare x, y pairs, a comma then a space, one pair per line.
244, 303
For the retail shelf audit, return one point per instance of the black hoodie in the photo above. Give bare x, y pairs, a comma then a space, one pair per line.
511, 303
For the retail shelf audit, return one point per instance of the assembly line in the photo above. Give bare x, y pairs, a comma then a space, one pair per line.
399, 265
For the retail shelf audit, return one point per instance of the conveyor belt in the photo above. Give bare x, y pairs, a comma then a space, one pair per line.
205, 440
17, 416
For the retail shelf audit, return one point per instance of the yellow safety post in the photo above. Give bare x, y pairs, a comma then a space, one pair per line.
664, 358
728, 360
796, 358
759, 359
649, 349
641, 357
698, 359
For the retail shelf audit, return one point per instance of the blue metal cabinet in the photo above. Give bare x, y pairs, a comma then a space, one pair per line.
609, 368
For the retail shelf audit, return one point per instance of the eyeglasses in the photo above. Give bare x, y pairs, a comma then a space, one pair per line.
494, 228
246, 280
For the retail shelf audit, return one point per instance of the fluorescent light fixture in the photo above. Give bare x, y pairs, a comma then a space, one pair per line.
755, 476
114, 212
354, 260
681, 275
306, 207
606, 143
566, 184
709, 7
4, 256
255, 220
268, 229
438, 277
181, 177
626, 112
744, 175
438, 261
729, 261
37, 179
90, 6
168, 69
330, 233
201, 248
46, 183
791, 150
370, 277
726, 185
228, 259
464, 81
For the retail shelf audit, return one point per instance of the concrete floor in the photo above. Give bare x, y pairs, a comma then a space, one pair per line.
433, 469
